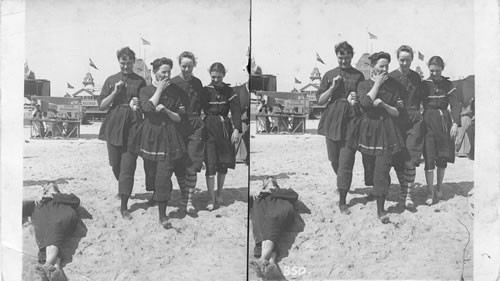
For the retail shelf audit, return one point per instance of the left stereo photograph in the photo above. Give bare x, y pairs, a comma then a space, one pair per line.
136, 144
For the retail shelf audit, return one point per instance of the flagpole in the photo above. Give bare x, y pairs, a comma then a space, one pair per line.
366, 40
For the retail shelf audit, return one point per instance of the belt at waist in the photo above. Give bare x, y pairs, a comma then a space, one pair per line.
434, 108
341, 99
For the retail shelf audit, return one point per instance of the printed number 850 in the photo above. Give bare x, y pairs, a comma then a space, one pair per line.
294, 270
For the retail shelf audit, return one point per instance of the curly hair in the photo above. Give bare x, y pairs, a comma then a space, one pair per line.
157, 63
375, 57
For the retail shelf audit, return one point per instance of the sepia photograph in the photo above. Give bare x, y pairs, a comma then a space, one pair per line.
362, 140
135, 152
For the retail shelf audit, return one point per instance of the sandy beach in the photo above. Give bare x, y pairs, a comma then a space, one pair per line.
211, 246
429, 244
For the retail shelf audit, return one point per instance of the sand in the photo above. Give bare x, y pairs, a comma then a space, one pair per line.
428, 244
212, 246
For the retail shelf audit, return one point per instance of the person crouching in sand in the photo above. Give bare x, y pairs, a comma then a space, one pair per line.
54, 219
271, 210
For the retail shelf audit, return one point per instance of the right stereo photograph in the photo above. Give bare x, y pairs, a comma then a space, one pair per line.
362, 140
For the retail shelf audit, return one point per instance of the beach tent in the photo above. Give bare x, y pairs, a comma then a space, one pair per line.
465, 89
464, 142
363, 65
244, 95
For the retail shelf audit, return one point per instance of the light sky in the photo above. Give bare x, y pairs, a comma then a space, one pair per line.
61, 36
286, 34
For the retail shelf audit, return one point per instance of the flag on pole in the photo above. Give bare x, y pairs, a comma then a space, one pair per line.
70, 86
297, 81
92, 64
372, 36
420, 56
145, 42
318, 58
28, 74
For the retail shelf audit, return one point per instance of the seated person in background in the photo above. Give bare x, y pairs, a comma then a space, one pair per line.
263, 125
464, 141
54, 219
271, 211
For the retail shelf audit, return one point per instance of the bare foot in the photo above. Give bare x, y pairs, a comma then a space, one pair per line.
126, 215
41, 272
165, 223
211, 205
344, 210
384, 218
431, 199
190, 208
45, 271
260, 267
409, 201
58, 275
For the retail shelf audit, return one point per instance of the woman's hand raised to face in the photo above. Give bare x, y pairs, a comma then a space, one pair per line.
380, 77
164, 83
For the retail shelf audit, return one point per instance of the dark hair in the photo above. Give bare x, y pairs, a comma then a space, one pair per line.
157, 63
188, 55
125, 52
344, 47
436, 60
405, 48
218, 67
375, 57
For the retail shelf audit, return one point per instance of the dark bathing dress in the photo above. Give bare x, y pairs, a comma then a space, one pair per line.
272, 213
439, 147
337, 121
413, 130
54, 220
119, 128
120, 124
192, 126
377, 133
159, 141
219, 151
